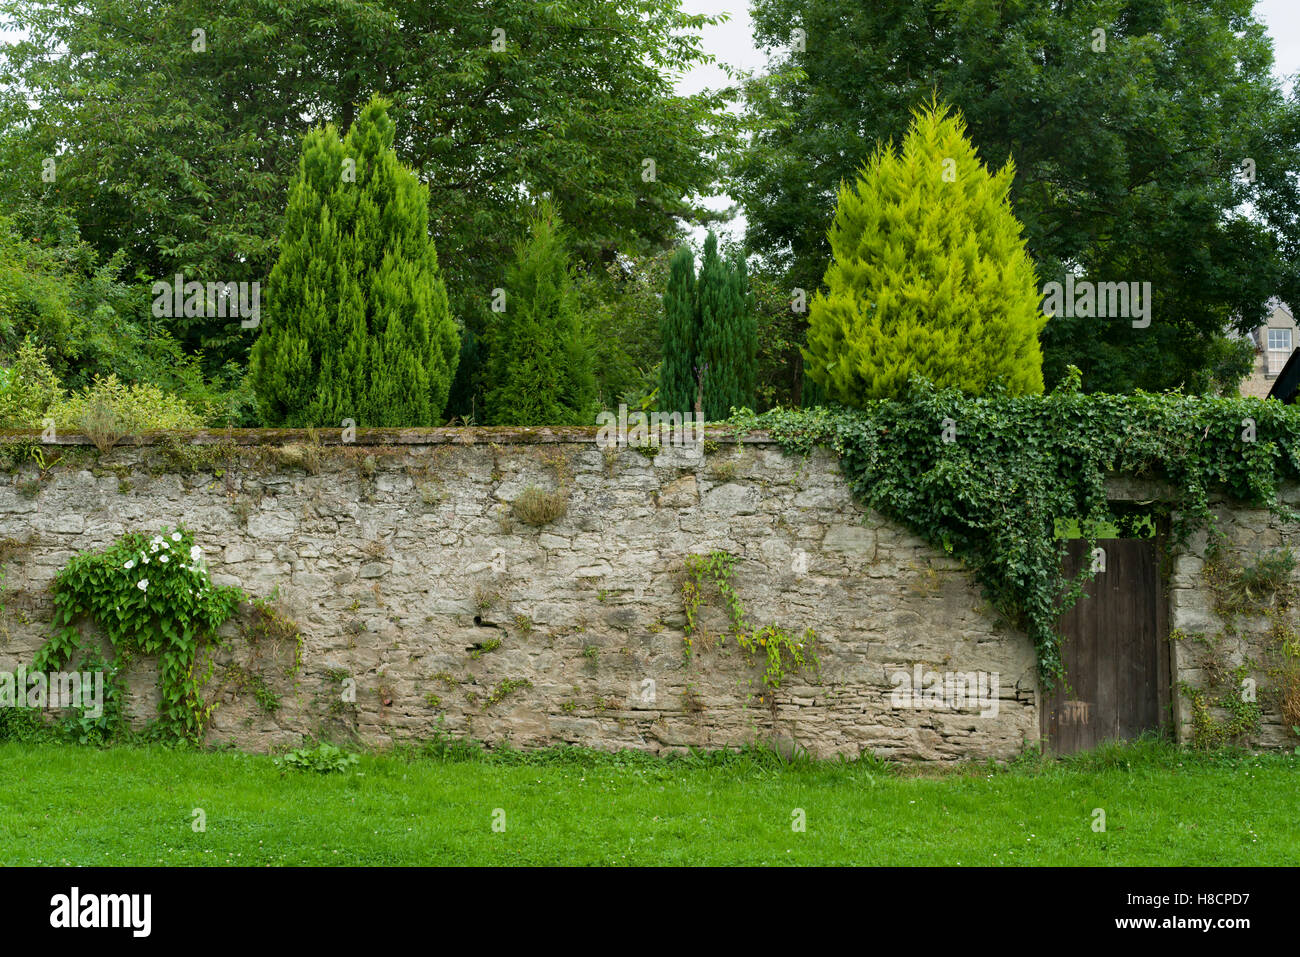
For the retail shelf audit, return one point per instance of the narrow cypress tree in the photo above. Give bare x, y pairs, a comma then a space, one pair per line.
929, 275
677, 383
541, 366
726, 340
355, 323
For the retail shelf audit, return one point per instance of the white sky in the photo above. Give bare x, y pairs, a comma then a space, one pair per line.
732, 43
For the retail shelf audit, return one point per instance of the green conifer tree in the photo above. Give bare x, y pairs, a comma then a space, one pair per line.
541, 363
727, 334
747, 329
355, 322
929, 275
677, 383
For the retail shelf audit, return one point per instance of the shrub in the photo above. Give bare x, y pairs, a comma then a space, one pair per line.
323, 759
27, 389
128, 409
929, 277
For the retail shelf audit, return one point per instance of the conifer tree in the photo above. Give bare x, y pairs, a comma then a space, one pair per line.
929, 275
727, 334
747, 329
541, 365
355, 323
677, 382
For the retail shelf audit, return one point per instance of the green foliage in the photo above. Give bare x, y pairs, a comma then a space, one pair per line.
709, 335
623, 303
356, 322
30, 393
541, 363
1241, 717
504, 689
727, 334
69, 321
147, 596
28, 388
781, 650
929, 276
325, 758
490, 645
202, 160
80, 726
1126, 158
992, 496
678, 335
127, 409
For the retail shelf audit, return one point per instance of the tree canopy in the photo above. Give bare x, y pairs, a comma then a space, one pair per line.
179, 145
1150, 139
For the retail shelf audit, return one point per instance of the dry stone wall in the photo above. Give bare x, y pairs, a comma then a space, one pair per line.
422, 592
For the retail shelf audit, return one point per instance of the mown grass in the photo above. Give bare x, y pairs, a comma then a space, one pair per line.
62, 804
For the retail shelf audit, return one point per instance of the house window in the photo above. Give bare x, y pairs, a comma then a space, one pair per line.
1279, 349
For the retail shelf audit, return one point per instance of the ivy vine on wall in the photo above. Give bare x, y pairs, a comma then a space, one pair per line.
780, 649
986, 478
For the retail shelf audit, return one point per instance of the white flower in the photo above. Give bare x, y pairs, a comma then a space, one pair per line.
176, 536
130, 564
153, 547
142, 584
144, 559
195, 554
163, 559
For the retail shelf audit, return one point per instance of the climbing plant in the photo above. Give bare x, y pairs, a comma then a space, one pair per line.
148, 596
986, 478
782, 650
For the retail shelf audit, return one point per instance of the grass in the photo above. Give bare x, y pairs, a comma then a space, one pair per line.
67, 805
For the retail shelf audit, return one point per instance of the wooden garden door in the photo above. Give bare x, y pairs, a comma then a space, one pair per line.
1115, 654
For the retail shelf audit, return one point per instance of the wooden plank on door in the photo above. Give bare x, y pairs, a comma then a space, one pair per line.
1113, 650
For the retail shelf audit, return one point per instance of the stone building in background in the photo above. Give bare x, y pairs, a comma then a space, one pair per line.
1274, 342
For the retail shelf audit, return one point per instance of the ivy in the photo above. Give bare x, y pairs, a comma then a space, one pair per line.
151, 597
986, 478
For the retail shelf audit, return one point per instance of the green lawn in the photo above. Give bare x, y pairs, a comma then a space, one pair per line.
62, 804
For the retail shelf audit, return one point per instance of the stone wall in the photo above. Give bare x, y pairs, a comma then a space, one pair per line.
1215, 649
404, 562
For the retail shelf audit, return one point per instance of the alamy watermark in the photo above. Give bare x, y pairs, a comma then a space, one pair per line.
683, 430
922, 690
213, 300
56, 689
1083, 299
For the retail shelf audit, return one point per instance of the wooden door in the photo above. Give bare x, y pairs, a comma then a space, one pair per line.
1114, 650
